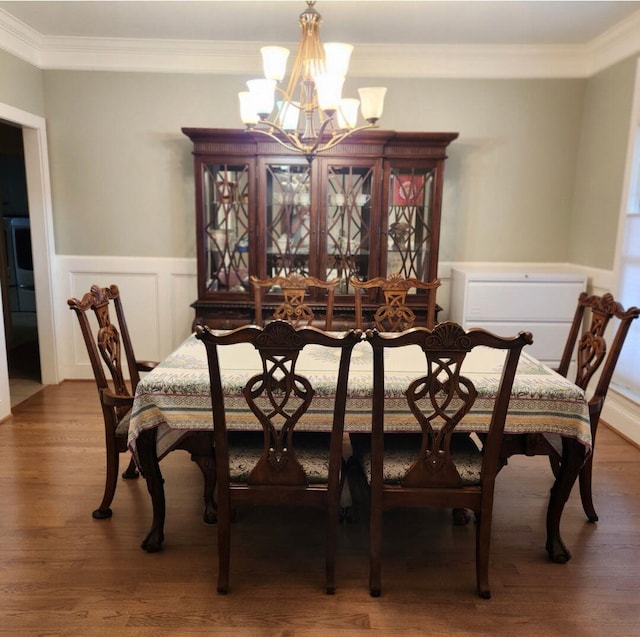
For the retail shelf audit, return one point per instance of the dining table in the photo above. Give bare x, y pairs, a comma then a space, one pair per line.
174, 400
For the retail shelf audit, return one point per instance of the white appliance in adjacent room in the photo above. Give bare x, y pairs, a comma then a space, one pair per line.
19, 264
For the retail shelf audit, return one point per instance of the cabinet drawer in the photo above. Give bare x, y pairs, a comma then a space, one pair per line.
548, 338
513, 300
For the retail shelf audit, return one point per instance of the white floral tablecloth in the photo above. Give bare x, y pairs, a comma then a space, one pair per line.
175, 396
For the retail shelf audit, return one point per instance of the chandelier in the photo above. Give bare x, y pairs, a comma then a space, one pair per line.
309, 115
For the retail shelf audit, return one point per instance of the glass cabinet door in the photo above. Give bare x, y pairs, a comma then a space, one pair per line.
225, 189
288, 227
410, 223
348, 221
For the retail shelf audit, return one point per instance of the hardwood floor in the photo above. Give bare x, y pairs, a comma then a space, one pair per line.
63, 573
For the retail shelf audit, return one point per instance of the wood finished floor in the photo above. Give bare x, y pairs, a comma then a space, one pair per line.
63, 573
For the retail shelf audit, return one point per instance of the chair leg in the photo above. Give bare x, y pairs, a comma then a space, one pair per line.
104, 510
345, 500
554, 461
224, 542
332, 533
585, 489
483, 544
359, 489
131, 472
375, 567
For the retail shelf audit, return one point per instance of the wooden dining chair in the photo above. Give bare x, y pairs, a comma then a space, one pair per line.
429, 469
394, 314
273, 465
109, 348
293, 307
592, 354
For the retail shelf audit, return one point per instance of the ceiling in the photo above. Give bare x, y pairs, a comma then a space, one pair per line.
49, 33
414, 21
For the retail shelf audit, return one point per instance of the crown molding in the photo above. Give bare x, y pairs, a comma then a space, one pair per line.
19, 40
368, 60
617, 43
468, 61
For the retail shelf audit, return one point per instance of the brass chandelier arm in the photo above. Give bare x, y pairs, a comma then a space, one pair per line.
293, 143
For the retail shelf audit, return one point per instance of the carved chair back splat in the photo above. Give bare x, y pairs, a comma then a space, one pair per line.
395, 314
294, 307
273, 464
428, 468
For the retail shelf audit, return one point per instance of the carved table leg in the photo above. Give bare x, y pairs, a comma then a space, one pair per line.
200, 446
148, 458
573, 454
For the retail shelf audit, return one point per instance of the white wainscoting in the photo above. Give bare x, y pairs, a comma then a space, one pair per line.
156, 294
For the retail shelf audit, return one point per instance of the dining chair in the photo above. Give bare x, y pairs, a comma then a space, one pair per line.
429, 469
108, 349
590, 350
272, 464
394, 314
293, 307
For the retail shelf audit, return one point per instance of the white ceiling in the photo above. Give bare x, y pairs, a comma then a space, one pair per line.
417, 21
179, 35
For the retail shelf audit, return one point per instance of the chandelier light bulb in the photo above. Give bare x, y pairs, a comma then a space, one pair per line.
248, 113
329, 89
348, 113
263, 96
274, 62
372, 102
337, 57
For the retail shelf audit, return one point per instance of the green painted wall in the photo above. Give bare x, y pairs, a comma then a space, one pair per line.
118, 159
536, 174
21, 85
601, 164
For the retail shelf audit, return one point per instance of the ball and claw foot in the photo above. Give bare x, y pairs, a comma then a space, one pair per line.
153, 542
461, 517
102, 514
558, 552
209, 515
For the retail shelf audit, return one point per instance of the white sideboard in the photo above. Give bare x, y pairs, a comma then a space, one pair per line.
506, 301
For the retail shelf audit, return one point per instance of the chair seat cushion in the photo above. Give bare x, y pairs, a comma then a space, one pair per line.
122, 430
311, 449
400, 451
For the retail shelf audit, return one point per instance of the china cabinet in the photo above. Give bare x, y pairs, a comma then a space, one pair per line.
369, 207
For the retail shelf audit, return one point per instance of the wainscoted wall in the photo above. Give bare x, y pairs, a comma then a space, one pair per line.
157, 294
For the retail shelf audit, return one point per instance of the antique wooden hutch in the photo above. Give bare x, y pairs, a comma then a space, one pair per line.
369, 207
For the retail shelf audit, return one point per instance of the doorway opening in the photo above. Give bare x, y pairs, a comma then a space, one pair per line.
16, 269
